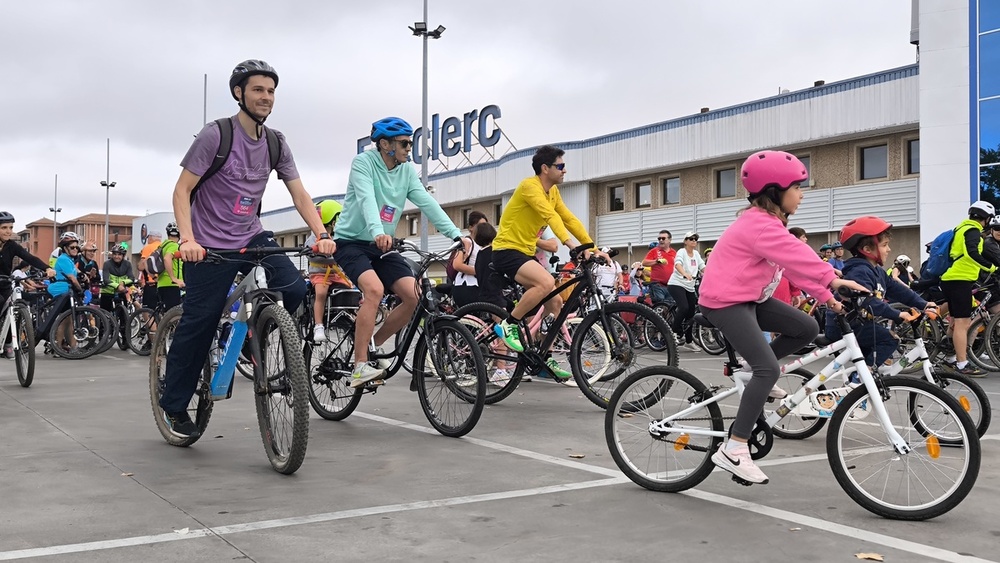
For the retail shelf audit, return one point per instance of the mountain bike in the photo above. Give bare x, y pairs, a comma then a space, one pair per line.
603, 345
280, 386
900, 447
448, 371
18, 327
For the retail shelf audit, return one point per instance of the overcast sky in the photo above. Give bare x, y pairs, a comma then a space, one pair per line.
80, 72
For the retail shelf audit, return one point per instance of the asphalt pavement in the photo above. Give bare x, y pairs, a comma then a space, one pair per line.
85, 476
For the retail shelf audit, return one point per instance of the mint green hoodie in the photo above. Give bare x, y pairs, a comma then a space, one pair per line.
376, 197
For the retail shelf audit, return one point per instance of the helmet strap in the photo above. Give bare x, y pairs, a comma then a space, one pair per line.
243, 108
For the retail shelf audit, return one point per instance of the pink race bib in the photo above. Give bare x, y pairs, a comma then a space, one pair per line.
244, 206
387, 213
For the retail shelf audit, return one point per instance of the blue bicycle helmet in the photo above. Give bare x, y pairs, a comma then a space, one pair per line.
390, 127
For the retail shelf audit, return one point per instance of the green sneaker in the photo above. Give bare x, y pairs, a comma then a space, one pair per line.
556, 370
510, 335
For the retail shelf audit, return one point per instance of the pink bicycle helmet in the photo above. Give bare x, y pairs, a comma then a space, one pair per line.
764, 169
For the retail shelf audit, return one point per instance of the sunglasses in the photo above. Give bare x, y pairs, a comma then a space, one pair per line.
661, 238
72, 248
561, 166
405, 143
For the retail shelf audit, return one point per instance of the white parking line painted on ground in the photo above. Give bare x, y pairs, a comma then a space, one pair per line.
299, 520
840, 529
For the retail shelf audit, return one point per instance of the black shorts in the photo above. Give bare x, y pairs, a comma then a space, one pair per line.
508, 262
357, 257
959, 296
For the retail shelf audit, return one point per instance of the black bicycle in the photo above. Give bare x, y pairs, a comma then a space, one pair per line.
448, 370
18, 327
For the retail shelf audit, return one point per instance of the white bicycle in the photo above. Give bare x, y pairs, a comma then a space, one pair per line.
902, 448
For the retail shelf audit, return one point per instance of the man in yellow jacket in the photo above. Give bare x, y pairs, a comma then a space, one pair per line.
958, 280
535, 204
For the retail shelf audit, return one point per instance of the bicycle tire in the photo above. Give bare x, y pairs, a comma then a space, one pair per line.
652, 335
980, 341
709, 339
655, 461
24, 356
110, 331
86, 327
141, 340
971, 396
200, 406
330, 364
491, 347
961, 458
286, 390
624, 359
124, 328
794, 427
457, 370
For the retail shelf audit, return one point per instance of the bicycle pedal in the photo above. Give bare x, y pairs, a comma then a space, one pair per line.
375, 383
742, 481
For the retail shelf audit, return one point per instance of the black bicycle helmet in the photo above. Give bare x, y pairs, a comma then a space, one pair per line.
172, 230
249, 68
6, 217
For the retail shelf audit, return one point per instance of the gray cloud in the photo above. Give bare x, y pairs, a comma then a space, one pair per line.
82, 72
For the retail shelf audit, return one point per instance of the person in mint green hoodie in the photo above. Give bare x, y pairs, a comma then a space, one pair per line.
380, 183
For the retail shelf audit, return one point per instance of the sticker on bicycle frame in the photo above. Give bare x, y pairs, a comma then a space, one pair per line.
244, 205
387, 213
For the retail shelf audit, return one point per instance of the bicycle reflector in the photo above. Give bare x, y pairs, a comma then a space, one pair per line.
964, 401
933, 447
682, 442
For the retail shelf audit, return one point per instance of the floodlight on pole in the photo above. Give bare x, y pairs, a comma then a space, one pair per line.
419, 29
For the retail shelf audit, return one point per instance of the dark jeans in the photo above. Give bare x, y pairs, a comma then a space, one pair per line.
876, 342
743, 327
658, 293
207, 287
687, 306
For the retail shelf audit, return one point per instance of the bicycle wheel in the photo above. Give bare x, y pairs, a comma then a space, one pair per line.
281, 392
200, 406
971, 396
980, 343
479, 318
142, 329
709, 339
664, 460
599, 358
929, 480
109, 332
792, 426
81, 337
656, 339
330, 364
450, 373
24, 356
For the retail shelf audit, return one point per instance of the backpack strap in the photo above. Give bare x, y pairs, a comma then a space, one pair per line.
273, 153
225, 125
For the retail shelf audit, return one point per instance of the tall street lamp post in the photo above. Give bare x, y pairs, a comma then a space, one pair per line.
419, 29
55, 209
107, 184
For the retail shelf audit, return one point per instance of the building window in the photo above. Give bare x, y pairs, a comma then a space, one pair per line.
913, 156
643, 194
671, 190
414, 221
874, 162
725, 183
465, 216
497, 212
807, 162
616, 197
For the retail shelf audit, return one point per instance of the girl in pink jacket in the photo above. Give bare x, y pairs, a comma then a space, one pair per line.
751, 257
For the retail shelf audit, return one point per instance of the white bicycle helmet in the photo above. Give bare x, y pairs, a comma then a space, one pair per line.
982, 210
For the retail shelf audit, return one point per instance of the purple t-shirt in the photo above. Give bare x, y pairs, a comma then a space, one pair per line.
224, 212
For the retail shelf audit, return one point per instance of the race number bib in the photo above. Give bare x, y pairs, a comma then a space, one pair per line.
244, 206
388, 213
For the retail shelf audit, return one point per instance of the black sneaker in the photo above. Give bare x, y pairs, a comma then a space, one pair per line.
181, 425
970, 371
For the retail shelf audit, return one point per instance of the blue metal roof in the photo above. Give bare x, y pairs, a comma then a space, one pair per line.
773, 101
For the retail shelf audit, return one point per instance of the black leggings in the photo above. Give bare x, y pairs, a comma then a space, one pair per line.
743, 326
687, 305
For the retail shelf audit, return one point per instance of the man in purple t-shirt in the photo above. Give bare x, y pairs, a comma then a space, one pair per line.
223, 216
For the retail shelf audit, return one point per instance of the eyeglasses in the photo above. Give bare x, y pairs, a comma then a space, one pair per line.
405, 143
561, 166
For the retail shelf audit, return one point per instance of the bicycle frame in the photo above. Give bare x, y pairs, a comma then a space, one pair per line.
846, 352
9, 320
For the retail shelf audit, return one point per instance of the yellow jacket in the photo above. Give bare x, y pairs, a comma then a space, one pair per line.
530, 209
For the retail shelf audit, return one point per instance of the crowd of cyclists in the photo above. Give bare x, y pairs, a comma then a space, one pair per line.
752, 284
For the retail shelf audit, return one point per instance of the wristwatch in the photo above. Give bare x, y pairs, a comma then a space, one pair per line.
323, 236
